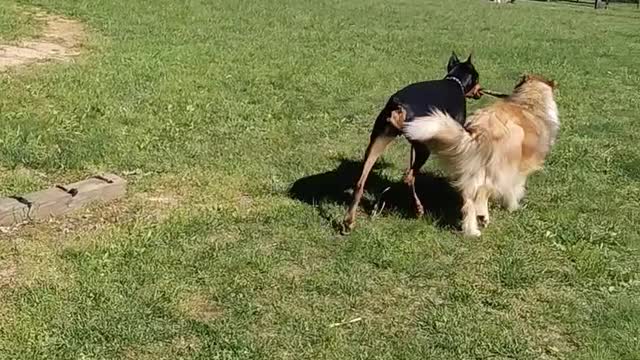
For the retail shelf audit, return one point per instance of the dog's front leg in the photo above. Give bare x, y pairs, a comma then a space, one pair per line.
419, 155
469, 214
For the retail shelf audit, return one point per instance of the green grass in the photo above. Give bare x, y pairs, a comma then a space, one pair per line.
15, 22
215, 109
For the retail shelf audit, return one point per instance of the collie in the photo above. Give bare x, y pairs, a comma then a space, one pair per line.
497, 148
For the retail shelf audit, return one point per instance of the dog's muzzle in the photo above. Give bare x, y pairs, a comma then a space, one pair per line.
475, 92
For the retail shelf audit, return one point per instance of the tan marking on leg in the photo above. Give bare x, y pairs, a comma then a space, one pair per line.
374, 150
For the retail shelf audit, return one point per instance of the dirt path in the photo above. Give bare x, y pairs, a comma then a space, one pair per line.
60, 41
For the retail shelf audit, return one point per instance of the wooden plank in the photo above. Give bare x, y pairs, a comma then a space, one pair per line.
61, 200
12, 211
47, 203
104, 188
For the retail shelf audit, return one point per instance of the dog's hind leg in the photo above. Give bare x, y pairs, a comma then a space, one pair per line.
513, 197
378, 143
419, 155
482, 206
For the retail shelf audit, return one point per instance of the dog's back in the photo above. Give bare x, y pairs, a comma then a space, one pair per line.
520, 128
420, 99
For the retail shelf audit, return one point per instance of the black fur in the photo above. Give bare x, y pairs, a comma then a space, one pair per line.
419, 99
415, 100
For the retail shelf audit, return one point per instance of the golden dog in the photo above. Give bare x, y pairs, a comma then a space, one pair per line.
495, 151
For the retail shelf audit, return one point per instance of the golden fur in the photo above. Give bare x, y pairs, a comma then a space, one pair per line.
499, 146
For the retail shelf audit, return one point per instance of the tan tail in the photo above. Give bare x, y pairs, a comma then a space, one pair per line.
441, 129
449, 141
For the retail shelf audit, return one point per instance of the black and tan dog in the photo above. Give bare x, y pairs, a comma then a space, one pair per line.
418, 99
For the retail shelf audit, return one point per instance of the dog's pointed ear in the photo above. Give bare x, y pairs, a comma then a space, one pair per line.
453, 61
470, 58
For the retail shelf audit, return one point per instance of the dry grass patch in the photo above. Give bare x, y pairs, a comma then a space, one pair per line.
61, 40
200, 308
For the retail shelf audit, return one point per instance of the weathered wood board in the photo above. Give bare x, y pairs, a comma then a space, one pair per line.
61, 200
12, 211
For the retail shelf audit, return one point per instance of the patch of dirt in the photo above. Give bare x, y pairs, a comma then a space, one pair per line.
60, 41
7, 273
199, 308
158, 205
166, 200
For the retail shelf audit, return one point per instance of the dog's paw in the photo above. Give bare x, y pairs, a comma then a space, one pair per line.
513, 207
347, 226
419, 210
409, 178
471, 231
483, 221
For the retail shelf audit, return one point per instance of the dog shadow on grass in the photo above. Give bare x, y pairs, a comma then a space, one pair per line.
441, 201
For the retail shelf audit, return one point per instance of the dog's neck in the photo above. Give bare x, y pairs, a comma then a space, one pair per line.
538, 97
532, 95
458, 81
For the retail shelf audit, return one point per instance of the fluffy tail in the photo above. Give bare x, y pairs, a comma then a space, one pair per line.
439, 128
457, 150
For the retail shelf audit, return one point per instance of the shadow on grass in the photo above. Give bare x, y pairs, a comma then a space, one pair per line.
441, 201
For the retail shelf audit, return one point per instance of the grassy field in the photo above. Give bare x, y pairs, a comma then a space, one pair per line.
240, 125
15, 23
